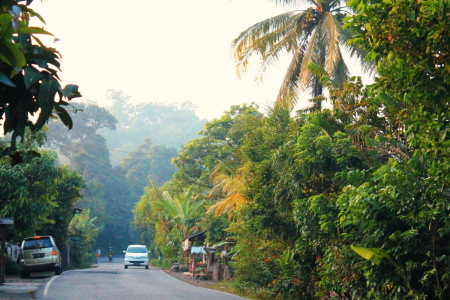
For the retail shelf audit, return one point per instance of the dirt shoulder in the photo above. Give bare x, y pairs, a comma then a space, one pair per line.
182, 276
209, 284
16, 288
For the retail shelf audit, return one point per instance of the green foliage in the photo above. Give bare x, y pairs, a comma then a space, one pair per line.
29, 81
146, 162
181, 209
167, 219
82, 236
69, 186
155, 225
349, 202
161, 263
375, 255
11, 266
29, 192
219, 141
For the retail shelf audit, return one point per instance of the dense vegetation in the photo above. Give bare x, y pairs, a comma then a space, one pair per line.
350, 201
347, 202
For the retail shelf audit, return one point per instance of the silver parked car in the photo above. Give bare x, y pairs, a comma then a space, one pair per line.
136, 255
39, 253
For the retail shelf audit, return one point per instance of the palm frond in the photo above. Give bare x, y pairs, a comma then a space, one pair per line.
330, 32
312, 35
228, 205
340, 73
324, 124
287, 42
291, 2
260, 37
289, 89
309, 56
227, 183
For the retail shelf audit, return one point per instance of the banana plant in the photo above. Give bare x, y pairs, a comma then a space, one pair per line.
182, 209
376, 256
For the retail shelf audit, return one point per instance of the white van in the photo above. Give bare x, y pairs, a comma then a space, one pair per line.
136, 255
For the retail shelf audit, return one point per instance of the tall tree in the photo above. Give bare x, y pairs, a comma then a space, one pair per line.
314, 35
218, 142
39, 195
146, 161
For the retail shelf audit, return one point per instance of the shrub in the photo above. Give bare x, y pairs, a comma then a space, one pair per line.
11, 266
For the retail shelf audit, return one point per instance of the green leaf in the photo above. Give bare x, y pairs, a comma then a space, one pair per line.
372, 254
368, 27
5, 80
32, 75
11, 54
71, 91
33, 30
46, 97
35, 14
64, 116
375, 255
42, 63
5, 19
352, 2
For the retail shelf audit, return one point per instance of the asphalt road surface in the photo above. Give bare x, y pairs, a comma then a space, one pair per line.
111, 281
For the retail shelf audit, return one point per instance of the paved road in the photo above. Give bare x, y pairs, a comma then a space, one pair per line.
111, 281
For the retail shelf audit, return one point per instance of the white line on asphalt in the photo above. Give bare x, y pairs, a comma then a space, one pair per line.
47, 286
199, 286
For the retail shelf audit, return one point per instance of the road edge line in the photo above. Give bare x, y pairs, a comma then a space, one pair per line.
47, 286
200, 286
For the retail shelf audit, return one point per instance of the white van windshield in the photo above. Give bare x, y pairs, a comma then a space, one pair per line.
137, 250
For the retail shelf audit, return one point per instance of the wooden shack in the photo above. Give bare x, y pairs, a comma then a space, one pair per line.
197, 239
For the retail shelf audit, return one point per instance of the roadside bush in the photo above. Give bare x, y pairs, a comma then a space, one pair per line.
163, 263
82, 235
11, 267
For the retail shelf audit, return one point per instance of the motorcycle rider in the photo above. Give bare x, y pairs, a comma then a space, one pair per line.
110, 254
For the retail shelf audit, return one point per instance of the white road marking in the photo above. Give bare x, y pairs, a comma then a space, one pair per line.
200, 286
47, 286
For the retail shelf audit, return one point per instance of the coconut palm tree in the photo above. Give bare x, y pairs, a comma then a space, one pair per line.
312, 36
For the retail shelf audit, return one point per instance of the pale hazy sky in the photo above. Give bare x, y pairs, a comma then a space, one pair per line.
160, 51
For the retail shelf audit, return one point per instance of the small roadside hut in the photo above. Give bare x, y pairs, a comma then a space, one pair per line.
197, 239
213, 260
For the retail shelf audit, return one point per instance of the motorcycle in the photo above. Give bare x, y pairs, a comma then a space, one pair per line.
110, 257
